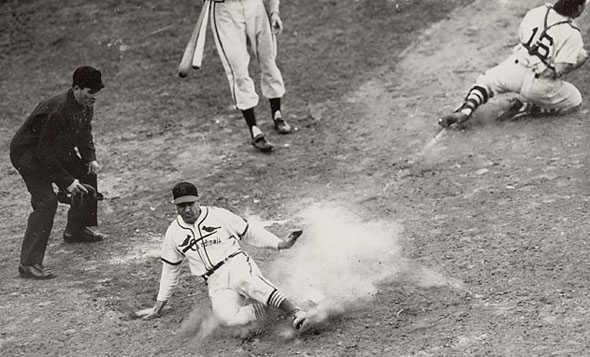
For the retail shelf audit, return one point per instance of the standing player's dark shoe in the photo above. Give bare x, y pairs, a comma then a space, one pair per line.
86, 235
281, 125
36, 271
260, 142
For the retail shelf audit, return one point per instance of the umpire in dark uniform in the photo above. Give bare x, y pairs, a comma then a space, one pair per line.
55, 146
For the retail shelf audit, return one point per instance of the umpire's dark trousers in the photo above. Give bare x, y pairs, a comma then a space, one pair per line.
44, 202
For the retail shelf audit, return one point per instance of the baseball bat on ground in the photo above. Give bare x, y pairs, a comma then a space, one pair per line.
189, 51
200, 45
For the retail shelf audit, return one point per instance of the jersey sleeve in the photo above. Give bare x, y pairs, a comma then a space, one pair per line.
168, 281
169, 253
570, 48
258, 236
235, 224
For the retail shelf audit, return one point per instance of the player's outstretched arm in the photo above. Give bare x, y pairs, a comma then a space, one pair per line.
168, 281
290, 240
152, 312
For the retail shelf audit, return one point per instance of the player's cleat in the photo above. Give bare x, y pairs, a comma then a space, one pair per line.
517, 110
453, 118
260, 142
300, 319
281, 125
37, 271
86, 235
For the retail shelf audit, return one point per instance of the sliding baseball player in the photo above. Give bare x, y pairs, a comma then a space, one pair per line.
237, 24
208, 238
550, 47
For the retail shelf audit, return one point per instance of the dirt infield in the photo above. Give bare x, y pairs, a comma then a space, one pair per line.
417, 242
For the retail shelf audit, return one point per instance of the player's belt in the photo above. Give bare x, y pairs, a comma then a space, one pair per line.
537, 75
208, 274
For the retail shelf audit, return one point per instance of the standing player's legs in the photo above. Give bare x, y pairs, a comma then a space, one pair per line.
506, 77
228, 24
264, 45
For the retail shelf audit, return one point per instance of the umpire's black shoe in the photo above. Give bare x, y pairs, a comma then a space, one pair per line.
86, 235
260, 142
37, 271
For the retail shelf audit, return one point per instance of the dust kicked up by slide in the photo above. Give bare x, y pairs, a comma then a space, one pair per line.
339, 261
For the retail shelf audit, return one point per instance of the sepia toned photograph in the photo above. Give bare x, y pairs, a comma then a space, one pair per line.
337, 178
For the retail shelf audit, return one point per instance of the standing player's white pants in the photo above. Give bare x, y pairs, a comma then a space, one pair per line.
511, 76
232, 289
235, 25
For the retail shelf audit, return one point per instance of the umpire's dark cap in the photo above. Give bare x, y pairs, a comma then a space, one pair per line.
87, 77
184, 192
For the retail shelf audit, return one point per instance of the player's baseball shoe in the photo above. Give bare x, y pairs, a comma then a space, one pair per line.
260, 142
517, 110
86, 235
300, 319
454, 118
281, 125
36, 271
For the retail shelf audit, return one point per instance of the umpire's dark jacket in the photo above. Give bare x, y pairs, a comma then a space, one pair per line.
46, 142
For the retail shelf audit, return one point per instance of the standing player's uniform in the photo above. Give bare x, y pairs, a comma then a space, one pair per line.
238, 25
235, 24
546, 38
211, 247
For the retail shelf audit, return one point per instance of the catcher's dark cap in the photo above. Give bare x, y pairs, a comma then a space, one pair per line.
185, 192
87, 77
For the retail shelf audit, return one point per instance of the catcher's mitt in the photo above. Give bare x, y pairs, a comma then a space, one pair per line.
81, 197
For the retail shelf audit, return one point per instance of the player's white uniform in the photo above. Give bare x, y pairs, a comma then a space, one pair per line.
557, 40
235, 25
211, 247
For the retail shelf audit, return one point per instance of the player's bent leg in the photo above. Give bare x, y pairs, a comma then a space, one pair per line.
517, 109
553, 97
230, 309
476, 96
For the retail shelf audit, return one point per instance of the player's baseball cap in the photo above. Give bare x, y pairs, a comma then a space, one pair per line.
87, 77
185, 192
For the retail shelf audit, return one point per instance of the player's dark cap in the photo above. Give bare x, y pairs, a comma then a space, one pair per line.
568, 7
87, 77
185, 192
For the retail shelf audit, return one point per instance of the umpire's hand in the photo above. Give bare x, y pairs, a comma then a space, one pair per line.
93, 167
76, 187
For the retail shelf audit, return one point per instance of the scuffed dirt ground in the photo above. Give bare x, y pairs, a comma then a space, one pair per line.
492, 221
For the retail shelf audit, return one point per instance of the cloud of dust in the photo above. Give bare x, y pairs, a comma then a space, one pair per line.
339, 260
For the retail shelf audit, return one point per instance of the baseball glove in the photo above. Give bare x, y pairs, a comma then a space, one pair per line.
68, 198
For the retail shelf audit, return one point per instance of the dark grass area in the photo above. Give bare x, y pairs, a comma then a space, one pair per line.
327, 48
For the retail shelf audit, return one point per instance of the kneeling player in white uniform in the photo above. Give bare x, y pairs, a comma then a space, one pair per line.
550, 46
208, 237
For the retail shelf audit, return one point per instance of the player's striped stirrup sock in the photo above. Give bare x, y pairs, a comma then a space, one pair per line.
476, 97
259, 311
275, 299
